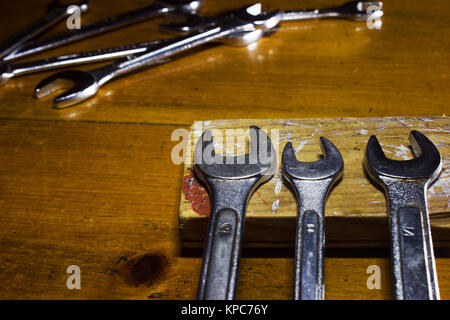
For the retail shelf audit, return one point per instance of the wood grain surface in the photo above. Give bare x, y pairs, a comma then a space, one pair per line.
356, 209
94, 185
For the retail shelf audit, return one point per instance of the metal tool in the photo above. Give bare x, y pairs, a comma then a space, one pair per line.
158, 8
240, 27
405, 184
231, 182
352, 10
56, 11
8, 71
311, 182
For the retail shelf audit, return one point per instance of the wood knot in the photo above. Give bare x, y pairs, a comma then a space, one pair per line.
144, 270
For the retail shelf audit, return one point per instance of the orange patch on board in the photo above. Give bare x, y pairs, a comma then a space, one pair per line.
196, 194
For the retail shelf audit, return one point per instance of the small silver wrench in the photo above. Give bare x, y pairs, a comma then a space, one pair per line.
405, 184
159, 7
55, 12
231, 182
240, 27
352, 10
8, 71
311, 182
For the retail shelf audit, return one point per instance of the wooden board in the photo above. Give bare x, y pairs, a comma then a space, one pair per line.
356, 209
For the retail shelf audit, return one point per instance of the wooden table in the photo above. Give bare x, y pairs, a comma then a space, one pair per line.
94, 185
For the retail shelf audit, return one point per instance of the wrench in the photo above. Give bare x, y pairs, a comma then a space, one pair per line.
311, 182
231, 181
240, 27
55, 13
352, 10
158, 8
405, 184
8, 71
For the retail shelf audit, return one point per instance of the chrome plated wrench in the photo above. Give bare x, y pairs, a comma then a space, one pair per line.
311, 182
56, 11
405, 184
159, 7
352, 10
231, 181
239, 27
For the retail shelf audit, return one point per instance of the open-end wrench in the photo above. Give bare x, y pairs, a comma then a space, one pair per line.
231, 182
239, 27
56, 11
405, 184
10, 70
311, 182
352, 10
158, 8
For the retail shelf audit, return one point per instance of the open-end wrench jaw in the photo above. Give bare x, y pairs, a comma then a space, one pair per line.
252, 14
427, 163
330, 166
210, 164
81, 85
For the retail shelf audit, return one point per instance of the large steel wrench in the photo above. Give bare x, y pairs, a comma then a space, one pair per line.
311, 182
352, 10
55, 13
231, 182
405, 184
240, 27
158, 8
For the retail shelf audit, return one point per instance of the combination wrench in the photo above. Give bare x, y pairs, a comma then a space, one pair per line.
159, 7
352, 10
405, 184
311, 182
239, 28
231, 181
55, 12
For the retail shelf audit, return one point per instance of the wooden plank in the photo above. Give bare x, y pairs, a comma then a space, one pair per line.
105, 197
356, 209
316, 69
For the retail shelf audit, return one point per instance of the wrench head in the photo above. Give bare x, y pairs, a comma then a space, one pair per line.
5, 73
251, 14
80, 86
330, 166
426, 165
260, 161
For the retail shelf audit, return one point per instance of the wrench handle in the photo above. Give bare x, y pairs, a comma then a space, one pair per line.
218, 280
90, 30
151, 57
308, 277
81, 58
18, 39
413, 261
310, 238
220, 268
